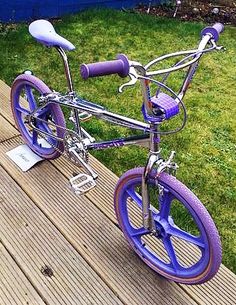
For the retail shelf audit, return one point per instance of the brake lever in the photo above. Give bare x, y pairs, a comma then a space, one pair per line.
218, 48
133, 79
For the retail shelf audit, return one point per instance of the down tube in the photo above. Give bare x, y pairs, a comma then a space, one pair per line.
119, 142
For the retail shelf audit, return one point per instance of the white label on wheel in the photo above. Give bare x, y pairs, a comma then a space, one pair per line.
23, 157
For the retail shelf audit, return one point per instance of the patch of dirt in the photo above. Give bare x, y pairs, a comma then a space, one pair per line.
223, 11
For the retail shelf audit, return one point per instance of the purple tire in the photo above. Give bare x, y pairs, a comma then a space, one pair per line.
31, 88
184, 249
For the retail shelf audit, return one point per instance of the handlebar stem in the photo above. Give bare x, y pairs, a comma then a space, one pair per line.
205, 39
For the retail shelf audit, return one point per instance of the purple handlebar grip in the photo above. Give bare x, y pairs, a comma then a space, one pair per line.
214, 30
119, 66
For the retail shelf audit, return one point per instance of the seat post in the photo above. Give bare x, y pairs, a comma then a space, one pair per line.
67, 68
70, 86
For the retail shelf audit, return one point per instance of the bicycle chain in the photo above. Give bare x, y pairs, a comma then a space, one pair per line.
63, 153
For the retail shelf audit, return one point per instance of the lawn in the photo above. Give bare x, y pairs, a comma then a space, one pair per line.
205, 148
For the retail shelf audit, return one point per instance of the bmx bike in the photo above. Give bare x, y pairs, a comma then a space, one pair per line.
144, 198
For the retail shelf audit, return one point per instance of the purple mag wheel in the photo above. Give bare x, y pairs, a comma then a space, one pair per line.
186, 246
25, 93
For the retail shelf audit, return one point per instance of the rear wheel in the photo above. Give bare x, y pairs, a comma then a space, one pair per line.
25, 94
186, 247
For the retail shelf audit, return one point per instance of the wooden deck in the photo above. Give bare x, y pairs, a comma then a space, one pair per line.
43, 225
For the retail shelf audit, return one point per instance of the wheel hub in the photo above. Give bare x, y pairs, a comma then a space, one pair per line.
161, 228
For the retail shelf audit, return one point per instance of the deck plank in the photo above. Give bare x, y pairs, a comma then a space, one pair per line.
34, 242
5, 102
93, 235
7, 131
14, 286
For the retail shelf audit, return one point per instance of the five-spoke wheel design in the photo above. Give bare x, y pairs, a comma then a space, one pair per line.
25, 97
185, 246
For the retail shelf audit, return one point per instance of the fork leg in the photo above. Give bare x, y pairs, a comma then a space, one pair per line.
148, 221
154, 158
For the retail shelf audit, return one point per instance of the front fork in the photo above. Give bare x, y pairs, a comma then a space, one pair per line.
161, 166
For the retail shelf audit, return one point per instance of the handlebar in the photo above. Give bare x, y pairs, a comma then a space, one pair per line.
123, 67
119, 66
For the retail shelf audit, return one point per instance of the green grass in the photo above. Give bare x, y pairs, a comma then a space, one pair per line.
205, 148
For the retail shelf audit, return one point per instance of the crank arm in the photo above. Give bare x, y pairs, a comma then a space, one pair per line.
84, 164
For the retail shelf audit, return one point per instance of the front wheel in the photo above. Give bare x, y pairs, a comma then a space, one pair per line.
186, 246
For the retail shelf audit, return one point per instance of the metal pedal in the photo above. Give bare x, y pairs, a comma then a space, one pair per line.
82, 183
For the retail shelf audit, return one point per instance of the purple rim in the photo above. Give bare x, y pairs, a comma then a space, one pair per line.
208, 242
27, 83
